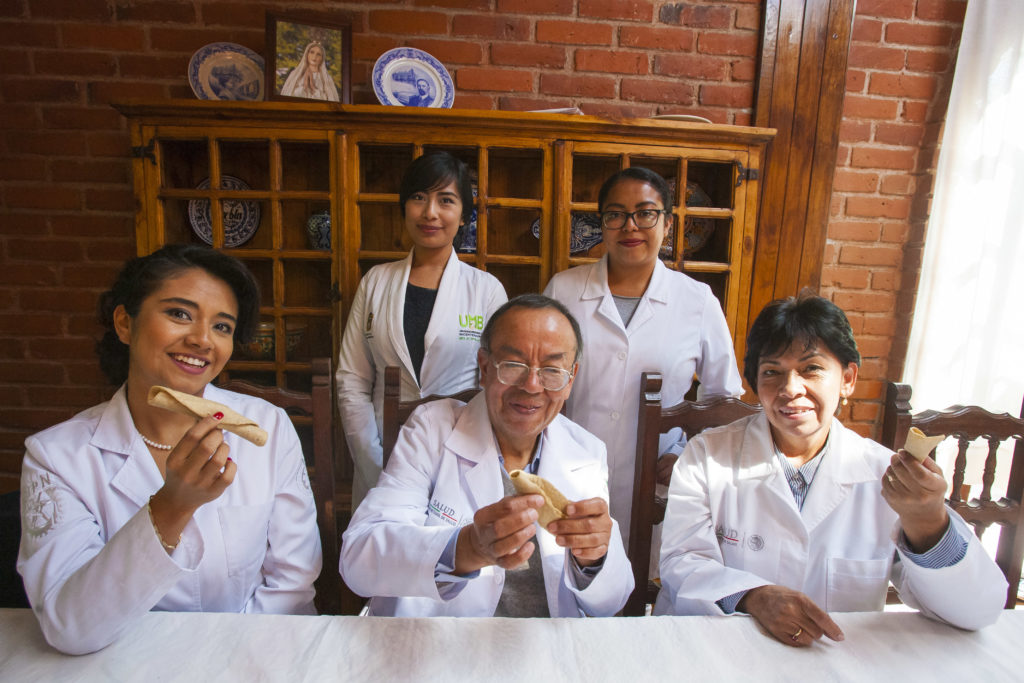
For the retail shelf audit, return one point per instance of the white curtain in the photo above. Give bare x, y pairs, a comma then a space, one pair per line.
967, 341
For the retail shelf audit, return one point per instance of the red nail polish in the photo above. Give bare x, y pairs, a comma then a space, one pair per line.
218, 415
229, 458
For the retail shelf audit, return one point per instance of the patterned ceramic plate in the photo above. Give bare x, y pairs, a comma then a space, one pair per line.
409, 77
241, 218
226, 71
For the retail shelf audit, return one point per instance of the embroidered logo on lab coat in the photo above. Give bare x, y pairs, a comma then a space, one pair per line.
755, 542
304, 478
369, 323
40, 505
727, 536
470, 327
445, 513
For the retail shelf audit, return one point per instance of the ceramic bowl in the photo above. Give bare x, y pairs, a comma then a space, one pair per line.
262, 346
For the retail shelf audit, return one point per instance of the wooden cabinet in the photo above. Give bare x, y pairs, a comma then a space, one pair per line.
252, 175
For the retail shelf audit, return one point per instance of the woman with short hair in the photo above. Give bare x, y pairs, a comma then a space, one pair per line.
787, 515
423, 314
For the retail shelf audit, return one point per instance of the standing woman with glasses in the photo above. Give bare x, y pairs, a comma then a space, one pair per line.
424, 314
639, 316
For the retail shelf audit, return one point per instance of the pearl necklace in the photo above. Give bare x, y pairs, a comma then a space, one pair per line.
154, 444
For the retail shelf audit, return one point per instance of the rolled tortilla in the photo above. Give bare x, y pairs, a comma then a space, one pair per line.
197, 407
554, 502
919, 445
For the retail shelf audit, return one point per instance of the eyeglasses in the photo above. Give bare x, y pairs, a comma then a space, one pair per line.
644, 219
516, 374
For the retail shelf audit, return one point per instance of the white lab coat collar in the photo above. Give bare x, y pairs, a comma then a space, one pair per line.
139, 476
844, 466
596, 287
440, 317
473, 439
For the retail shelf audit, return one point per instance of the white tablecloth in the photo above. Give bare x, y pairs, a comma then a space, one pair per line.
229, 647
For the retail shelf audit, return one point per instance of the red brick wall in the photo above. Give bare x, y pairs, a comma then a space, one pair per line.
65, 193
897, 89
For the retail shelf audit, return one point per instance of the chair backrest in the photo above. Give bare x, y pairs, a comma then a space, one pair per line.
396, 411
692, 417
314, 408
967, 424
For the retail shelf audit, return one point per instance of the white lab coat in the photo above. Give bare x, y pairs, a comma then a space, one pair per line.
374, 338
678, 329
444, 468
90, 557
732, 524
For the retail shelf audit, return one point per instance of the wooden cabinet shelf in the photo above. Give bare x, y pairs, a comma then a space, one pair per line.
253, 175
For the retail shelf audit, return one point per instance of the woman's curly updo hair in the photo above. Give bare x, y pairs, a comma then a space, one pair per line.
142, 276
806, 319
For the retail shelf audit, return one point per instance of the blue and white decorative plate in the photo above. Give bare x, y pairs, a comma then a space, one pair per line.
409, 77
241, 218
585, 233
226, 71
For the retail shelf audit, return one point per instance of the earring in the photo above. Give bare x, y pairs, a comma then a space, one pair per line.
845, 401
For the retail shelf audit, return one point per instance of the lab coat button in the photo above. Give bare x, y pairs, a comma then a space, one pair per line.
622, 355
615, 415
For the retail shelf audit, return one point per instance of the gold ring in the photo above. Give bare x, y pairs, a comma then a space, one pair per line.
797, 634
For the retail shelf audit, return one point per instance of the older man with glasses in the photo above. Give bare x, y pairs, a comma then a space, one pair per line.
445, 534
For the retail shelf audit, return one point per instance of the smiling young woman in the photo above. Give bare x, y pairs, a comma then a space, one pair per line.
637, 316
129, 507
423, 314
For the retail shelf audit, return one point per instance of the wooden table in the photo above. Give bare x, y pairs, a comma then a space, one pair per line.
229, 647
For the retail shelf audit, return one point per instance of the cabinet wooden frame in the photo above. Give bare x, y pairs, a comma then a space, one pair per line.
540, 150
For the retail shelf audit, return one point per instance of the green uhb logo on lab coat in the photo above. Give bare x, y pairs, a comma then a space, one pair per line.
470, 327
469, 321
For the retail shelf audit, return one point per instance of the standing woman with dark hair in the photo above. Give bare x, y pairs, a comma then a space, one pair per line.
423, 314
640, 316
128, 508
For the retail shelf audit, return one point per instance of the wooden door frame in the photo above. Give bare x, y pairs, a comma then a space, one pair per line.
801, 85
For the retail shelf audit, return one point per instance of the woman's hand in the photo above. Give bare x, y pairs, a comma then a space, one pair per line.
789, 615
198, 470
916, 490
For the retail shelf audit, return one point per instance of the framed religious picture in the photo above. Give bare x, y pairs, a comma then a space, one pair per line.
308, 58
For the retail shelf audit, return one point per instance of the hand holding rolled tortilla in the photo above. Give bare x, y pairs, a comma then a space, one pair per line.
554, 501
198, 407
919, 445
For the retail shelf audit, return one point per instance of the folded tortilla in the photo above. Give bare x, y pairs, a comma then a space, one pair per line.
197, 407
919, 445
554, 502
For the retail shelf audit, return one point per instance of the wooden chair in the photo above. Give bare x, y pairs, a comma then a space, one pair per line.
396, 411
968, 423
314, 408
692, 417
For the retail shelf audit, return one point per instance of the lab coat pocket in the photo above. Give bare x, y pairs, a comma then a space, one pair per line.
245, 529
856, 585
